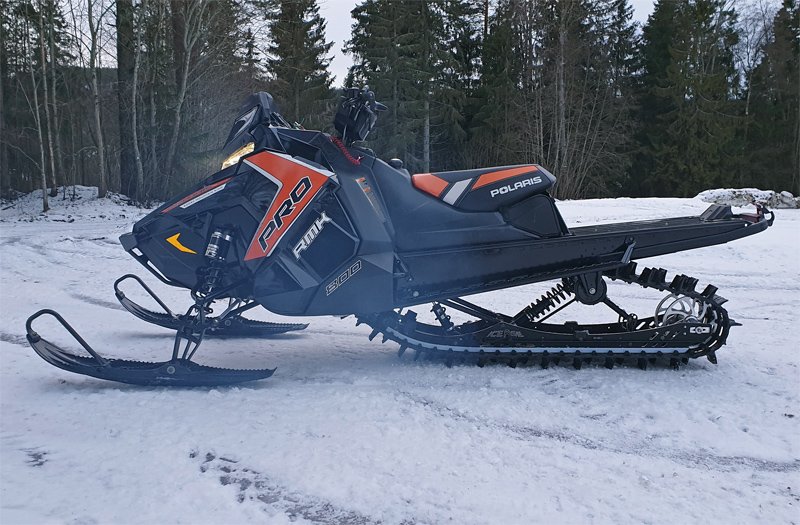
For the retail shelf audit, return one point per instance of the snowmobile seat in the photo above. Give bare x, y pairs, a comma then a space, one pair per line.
485, 189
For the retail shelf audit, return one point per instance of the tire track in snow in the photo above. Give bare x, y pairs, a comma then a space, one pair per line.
97, 302
686, 458
13, 339
54, 253
256, 487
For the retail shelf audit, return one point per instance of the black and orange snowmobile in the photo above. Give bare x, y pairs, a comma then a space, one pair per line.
303, 223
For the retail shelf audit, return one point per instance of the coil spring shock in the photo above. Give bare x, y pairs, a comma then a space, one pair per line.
548, 302
441, 316
216, 252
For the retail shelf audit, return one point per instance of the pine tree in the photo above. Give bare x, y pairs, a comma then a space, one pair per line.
420, 59
657, 36
382, 60
690, 113
298, 61
455, 81
774, 142
496, 130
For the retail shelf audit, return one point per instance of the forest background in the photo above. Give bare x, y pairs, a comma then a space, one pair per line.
137, 96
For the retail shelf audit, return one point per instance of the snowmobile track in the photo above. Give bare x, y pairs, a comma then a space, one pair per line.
462, 344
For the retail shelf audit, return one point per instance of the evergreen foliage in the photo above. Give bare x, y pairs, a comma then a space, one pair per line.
693, 123
773, 148
298, 61
420, 57
701, 96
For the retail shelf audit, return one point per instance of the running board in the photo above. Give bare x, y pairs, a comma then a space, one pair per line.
586, 249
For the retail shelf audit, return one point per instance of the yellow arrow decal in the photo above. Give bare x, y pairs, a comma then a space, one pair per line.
176, 243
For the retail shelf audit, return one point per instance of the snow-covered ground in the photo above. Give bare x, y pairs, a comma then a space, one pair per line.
747, 196
345, 432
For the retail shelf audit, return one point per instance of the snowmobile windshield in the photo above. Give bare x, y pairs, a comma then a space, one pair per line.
259, 109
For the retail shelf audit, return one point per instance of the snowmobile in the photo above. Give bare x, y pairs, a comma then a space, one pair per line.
303, 223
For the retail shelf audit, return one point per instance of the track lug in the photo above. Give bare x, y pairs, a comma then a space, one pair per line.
545, 362
712, 357
417, 353
641, 363
373, 334
609, 362
401, 351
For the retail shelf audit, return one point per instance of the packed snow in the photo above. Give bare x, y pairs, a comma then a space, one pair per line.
345, 432
745, 196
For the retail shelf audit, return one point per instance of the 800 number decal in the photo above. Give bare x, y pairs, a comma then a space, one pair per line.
339, 281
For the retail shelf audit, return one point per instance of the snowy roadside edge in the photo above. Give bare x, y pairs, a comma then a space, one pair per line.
747, 196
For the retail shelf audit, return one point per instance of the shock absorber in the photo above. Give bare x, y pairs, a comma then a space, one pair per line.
216, 252
441, 316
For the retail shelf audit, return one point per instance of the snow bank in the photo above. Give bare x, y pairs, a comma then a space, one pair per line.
345, 432
745, 196
79, 203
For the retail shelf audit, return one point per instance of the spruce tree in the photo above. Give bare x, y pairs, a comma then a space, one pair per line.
657, 36
694, 120
419, 57
496, 132
774, 141
298, 61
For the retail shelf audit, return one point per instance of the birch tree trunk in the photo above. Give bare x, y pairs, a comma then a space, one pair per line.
37, 117
141, 196
561, 142
186, 26
54, 103
94, 29
48, 119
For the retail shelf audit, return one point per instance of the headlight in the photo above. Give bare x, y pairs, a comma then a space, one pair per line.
239, 153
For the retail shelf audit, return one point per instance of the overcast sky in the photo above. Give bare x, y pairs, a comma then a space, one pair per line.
337, 13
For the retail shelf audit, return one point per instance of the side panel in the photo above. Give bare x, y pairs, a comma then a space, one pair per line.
337, 258
297, 182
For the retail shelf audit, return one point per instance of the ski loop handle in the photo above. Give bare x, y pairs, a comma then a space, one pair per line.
121, 295
52, 313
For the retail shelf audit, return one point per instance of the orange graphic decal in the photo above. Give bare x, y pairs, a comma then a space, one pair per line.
495, 176
297, 182
177, 244
429, 183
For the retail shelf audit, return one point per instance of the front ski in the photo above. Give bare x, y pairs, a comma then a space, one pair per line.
178, 371
234, 324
